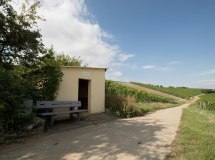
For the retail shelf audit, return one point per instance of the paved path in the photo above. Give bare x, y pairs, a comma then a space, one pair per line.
139, 138
148, 90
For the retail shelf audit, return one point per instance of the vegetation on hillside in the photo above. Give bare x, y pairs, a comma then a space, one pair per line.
114, 88
129, 102
182, 92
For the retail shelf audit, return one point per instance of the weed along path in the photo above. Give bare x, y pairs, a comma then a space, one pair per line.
140, 138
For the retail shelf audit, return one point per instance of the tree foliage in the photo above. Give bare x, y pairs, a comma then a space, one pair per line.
66, 60
20, 39
45, 79
27, 69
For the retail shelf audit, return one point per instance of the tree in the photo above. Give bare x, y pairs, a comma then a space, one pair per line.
66, 60
44, 80
20, 39
27, 69
22, 53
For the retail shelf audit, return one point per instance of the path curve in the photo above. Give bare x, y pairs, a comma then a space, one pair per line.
148, 90
139, 138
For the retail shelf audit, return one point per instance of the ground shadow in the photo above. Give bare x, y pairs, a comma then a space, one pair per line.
119, 138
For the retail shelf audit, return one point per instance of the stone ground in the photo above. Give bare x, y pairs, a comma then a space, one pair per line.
103, 137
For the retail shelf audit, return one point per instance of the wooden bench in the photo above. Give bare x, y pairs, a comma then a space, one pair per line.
46, 109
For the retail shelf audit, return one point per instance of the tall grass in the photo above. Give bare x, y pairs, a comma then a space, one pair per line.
207, 102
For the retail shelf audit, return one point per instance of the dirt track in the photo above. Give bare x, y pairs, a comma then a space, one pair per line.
139, 138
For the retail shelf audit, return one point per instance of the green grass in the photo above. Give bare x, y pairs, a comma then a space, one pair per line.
182, 92
142, 108
196, 136
207, 102
208, 97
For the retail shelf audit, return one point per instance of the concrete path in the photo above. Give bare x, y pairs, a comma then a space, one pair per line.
148, 90
139, 138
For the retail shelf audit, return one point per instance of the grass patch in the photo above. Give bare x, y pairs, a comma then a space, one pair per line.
182, 92
142, 108
207, 102
208, 97
195, 138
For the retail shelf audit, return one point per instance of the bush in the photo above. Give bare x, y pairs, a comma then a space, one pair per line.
12, 91
208, 91
13, 119
25, 83
120, 105
44, 81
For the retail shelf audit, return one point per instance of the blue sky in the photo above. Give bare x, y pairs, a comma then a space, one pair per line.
163, 42
173, 41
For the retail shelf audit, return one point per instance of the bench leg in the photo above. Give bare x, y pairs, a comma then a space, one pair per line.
51, 121
78, 116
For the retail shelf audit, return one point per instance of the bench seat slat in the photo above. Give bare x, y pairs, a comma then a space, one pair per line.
57, 104
56, 113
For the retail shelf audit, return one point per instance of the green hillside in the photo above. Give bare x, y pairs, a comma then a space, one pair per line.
127, 102
182, 92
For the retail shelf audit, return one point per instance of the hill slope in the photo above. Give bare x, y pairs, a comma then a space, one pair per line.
152, 91
181, 92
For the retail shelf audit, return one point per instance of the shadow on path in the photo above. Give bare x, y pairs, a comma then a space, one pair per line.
139, 138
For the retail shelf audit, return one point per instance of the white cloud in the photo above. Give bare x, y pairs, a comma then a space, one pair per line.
149, 67
117, 64
164, 69
157, 68
116, 76
210, 72
125, 57
174, 62
210, 84
207, 82
72, 29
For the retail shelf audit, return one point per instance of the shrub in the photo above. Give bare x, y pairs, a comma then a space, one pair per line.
208, 91
120, 105
38, 84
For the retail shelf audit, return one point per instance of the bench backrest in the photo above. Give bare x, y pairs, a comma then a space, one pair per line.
57, 104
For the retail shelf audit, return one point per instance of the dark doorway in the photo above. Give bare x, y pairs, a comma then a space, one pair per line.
83, 93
